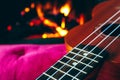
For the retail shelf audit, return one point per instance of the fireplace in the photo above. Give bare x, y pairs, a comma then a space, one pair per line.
48, 19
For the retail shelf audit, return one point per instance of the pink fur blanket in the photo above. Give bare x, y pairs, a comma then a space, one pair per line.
27, 61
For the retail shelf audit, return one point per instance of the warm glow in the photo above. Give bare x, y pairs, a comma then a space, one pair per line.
27, 9
63, 23
22, 13
55, 11
31, 24
49, 23
81, 19
65, 9
32, 5
9, 27
50, 35
61, 31
39, 12
44, 35
47, 5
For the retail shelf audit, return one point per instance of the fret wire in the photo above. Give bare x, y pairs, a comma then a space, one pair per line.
67, 65
80, 60
63, 66
88, 58
82, 63
59, 68
41, 76
89, 53
97, 35
72, 59
49, 76
100, 27
85, 57
103, 49
62, 72
82, 41
70, 65
74, 67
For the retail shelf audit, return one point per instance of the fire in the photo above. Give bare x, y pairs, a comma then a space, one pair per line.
50, 35
32, 5
49, 23
27, 9
47, 6
55, 12
81, 19
39, 11
44, 35
61, 31
65, 9
63, 23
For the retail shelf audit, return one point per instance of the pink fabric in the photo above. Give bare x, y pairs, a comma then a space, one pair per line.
27, 61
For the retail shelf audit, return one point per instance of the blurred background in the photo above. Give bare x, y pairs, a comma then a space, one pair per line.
42, 21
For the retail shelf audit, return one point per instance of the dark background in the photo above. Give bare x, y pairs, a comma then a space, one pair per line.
10, 13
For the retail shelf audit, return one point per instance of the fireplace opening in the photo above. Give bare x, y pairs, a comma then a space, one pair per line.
47, 19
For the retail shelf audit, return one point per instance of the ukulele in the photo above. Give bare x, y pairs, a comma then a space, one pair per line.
89, 44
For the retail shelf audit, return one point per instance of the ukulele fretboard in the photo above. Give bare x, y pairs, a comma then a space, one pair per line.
74, 65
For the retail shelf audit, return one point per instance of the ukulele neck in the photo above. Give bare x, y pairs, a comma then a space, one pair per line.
77, 64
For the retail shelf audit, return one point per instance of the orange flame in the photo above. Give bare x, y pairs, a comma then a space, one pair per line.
81, 19
47, 6
27, 9
65, 9
49, 23
39, 12
63, 23
50, 35
61, 31
55, 11
32, 5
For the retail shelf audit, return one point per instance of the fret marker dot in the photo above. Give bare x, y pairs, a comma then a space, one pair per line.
74, 63
85, 54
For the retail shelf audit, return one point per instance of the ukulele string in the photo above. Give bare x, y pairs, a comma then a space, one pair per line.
94, 38
109, 43
99, 27
91, 35
103, 48
98, 43
96, 47
88, 37
100, 34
